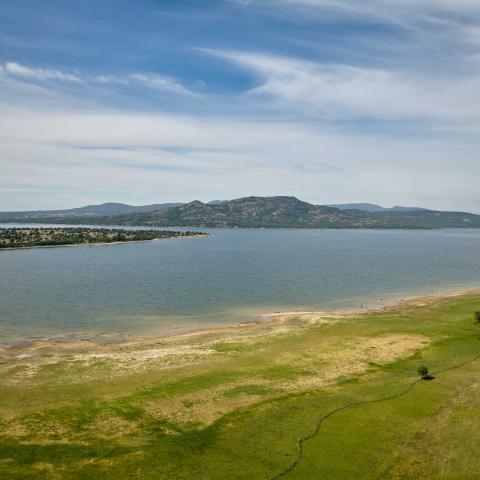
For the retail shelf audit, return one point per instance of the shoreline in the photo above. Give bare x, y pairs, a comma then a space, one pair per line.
390, 303
268, 324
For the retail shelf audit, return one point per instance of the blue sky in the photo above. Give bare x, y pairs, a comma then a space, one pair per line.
152, 101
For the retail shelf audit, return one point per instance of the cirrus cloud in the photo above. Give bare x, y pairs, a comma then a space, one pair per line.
343, 91
43, 74
151, 81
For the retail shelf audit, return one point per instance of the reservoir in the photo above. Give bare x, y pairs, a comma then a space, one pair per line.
169, 286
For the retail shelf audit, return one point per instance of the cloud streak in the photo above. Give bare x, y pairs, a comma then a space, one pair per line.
159, 82
338, 91
320, 166
149, 81
400, 12
43, 74
181, 155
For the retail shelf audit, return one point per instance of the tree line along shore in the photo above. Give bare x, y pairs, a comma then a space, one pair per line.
43, 237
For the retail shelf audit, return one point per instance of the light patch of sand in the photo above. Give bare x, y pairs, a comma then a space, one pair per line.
139, 356
119, 362
357, 358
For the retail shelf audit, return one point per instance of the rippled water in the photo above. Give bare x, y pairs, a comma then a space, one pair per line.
170, 285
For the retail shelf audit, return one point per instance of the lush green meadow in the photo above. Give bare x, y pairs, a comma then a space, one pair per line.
233, 403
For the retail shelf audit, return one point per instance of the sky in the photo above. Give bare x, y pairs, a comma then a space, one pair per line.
152, 101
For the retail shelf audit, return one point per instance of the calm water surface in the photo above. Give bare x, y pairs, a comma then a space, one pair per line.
171, 285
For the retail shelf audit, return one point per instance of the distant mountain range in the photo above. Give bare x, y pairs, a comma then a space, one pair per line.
252, 212
372, 207
88, 211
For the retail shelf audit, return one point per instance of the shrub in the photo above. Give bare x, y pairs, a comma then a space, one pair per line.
477, 316
423, 371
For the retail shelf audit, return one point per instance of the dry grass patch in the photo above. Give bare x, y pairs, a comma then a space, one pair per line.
356, 358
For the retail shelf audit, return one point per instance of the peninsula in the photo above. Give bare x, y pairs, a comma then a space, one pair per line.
49, 237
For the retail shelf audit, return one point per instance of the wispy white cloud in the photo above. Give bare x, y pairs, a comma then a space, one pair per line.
404, 12
304, 127
110, 79
455, 5
159, 82
226, 155
138, 152
145, 80
344, 92
42, 74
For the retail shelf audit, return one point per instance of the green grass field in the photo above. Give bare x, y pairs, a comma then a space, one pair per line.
232, 404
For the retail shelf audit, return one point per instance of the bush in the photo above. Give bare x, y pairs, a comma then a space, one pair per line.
423, 371
477, 316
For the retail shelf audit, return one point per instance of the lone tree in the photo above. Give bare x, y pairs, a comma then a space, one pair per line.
477, 316
423, 372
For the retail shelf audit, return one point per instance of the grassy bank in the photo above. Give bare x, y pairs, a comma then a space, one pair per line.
234, 403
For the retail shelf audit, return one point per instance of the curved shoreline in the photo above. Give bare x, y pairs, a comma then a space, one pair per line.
269, 324
392, 303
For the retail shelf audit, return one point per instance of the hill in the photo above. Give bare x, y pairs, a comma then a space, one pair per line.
372, 207
272, 212
89, 210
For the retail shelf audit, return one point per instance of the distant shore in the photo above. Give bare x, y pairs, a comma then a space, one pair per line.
47, 237
100, 244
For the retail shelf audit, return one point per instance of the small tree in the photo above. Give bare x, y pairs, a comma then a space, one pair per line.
477, 316
423, 371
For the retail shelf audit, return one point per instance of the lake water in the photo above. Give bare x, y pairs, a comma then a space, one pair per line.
167, 286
